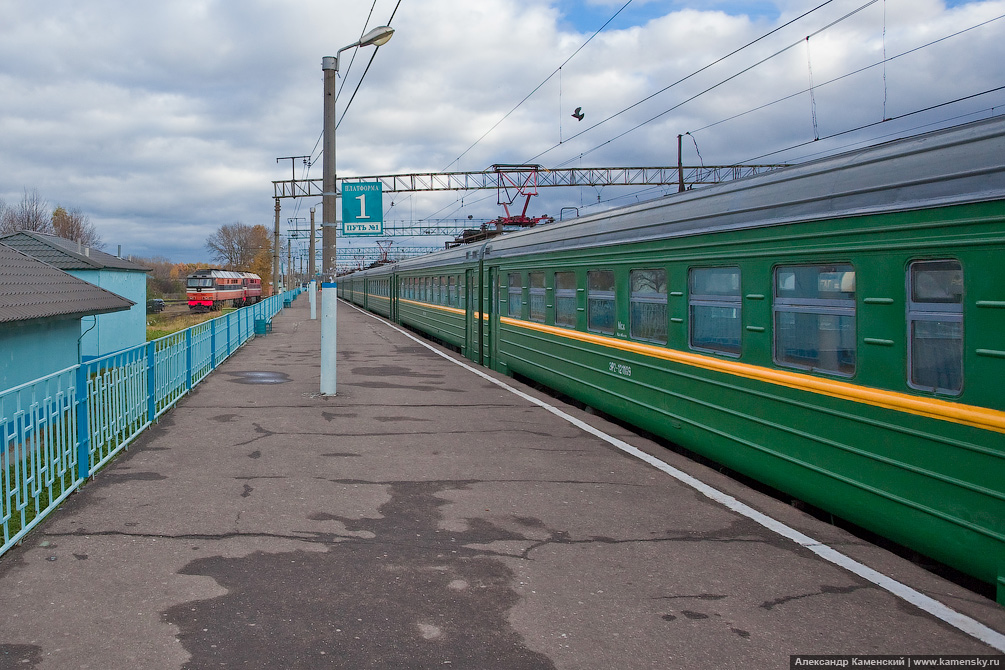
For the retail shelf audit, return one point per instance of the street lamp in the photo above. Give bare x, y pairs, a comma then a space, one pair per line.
329, 287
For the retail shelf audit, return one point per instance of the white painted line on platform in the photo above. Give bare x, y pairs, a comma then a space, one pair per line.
937, 609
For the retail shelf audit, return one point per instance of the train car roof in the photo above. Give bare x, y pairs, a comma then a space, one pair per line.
956, 165
217, 272
953, 166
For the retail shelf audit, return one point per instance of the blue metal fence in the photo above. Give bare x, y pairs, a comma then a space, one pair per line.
59, 430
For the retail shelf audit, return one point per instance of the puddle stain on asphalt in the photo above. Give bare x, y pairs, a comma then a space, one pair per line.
400, 592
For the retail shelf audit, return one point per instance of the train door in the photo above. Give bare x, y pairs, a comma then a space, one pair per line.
392, 292
489, 315
469, 315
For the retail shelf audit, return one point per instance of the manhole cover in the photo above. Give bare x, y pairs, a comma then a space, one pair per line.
249, 377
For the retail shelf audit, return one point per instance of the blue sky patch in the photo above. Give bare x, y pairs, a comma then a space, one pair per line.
588, 17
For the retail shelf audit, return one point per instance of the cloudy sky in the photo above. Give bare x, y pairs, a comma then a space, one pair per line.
163, 121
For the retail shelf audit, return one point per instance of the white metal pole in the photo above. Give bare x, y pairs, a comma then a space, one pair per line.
312, 288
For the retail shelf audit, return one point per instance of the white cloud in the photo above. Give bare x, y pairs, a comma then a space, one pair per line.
163, 122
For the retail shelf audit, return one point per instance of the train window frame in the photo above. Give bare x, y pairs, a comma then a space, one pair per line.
648, 301
935, 311
514, 295
597, 296
564, 317
699, 302
536, 300
830, 307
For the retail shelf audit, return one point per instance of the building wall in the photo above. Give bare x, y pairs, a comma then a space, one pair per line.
33, 349
108, 333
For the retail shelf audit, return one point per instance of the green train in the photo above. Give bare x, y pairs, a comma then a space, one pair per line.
834, 329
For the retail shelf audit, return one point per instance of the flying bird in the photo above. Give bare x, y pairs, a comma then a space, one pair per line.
578, 114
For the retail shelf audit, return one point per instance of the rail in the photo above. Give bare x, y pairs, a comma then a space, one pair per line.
59, 430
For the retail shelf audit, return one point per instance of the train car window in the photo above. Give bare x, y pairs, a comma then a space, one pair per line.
452, 291
814, 314
715, 309
935, 326
515, 295
537, 297
648, 314
565, 299
600, 307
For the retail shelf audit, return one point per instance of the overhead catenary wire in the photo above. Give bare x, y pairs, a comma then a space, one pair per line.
352, 58
850, 74
877, 123
903, 132
538, 87
312, 160
559, 70
373, 55
695, 73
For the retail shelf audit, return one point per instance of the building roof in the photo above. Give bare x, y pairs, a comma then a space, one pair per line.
65, 254
31, 289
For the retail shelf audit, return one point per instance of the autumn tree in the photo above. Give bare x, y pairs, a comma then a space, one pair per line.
236, 245
31, 213
160, 283
75, 225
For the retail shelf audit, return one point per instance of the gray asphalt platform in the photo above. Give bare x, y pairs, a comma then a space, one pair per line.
426, 517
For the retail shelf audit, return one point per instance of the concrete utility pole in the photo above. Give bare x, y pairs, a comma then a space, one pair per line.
329, 289
310, 260
275, 254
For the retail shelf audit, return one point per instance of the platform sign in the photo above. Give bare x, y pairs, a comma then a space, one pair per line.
362, 208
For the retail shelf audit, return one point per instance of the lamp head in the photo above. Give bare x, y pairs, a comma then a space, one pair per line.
377, 37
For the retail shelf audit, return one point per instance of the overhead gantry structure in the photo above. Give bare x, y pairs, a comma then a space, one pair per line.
510, 183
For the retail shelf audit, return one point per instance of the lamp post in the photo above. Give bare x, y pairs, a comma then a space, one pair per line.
329, 287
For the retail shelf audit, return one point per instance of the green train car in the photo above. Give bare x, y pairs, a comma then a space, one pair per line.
835, 329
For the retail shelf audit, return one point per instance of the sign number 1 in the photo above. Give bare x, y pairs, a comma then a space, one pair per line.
366, 218
362, 207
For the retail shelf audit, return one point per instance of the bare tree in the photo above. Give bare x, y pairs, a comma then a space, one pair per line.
32, 214
236, 245
75, 225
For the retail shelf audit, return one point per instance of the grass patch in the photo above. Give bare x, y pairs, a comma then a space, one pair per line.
159, 325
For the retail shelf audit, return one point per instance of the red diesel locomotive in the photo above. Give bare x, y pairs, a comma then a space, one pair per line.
211, 289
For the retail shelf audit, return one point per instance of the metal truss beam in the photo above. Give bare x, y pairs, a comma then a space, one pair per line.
444, 227
371, 254
499, 178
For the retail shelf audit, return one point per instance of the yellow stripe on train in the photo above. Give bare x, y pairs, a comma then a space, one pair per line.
944, 410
